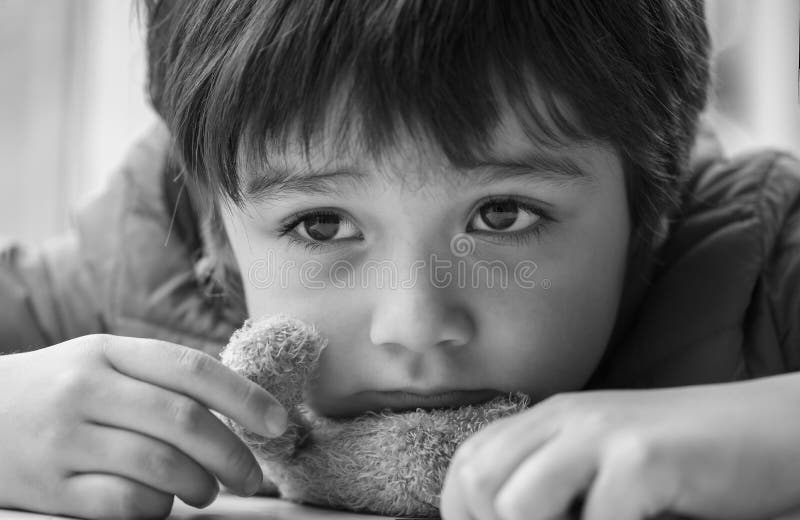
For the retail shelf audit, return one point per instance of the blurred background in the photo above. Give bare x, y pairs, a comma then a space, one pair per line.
72, 96
71, 101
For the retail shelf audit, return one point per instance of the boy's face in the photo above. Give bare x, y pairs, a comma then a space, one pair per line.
428, 279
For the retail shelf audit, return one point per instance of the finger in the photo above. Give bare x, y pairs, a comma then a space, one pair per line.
95, 495
143, 459
606, 501
201, 377
546, 483
620, 491
484, 463
181, 422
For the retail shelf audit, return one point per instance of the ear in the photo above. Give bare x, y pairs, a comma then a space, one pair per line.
280, 354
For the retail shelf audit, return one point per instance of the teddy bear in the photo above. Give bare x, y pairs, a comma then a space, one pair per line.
389, 463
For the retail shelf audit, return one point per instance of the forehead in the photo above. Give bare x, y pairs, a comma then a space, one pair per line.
339, 157
336, 177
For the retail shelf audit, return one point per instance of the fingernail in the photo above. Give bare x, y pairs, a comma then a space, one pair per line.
277, 421
253, 482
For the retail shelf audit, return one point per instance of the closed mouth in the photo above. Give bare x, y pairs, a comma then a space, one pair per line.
402, 400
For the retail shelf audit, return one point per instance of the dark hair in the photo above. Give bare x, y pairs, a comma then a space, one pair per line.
635, 72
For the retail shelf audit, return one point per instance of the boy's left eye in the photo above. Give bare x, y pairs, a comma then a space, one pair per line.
506, 215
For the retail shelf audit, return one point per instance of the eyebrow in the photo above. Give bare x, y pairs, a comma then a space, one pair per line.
280, 183
534, 167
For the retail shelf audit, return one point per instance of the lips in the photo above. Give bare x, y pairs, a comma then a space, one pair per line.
400, 400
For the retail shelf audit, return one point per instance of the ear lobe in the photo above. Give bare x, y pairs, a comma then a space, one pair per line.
280, 354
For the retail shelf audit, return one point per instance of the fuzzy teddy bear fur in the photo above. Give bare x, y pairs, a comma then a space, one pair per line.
388, 463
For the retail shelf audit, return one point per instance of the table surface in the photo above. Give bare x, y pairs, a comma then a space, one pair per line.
231, 507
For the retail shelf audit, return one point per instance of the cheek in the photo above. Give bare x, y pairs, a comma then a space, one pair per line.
555, 336
336, 313
330, 309
552, 344
274, 281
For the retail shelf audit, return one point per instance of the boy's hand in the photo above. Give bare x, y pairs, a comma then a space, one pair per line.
718, 451
104, 426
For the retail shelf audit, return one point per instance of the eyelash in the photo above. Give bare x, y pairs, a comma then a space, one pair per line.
286, 228
521, 237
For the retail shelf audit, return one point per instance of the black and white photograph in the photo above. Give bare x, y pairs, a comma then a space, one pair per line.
400, 259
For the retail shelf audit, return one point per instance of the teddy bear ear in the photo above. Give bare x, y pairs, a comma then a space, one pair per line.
279, 353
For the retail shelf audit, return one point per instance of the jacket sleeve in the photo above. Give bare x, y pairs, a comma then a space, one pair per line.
780, 288
45, 295
60, 288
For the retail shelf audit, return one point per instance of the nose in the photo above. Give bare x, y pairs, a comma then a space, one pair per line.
418, 319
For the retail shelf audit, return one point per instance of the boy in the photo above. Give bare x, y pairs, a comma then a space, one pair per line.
544, 146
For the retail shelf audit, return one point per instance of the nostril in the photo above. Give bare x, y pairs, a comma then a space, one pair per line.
451, 343
417, 340
422, 327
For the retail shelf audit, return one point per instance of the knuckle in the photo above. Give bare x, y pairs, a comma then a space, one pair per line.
251, 396
592, 422
55, 435
509, 505
630, 451
560, 402
464, 454
160, 464
186, 414
92, 345
193, 362
473, 480
53, 488
102, 342
72, 385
